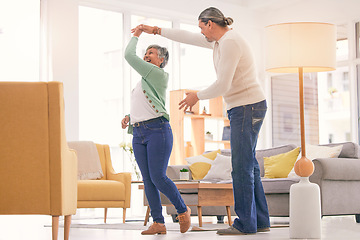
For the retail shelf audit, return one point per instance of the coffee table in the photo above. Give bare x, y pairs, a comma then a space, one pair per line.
209, 194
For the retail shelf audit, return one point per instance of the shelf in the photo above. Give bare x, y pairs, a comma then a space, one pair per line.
213, 141
204, 116
197, 126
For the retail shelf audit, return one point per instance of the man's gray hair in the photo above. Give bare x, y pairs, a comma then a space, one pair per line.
216, 16
162, 53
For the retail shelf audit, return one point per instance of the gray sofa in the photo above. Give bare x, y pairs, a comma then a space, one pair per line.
338, 178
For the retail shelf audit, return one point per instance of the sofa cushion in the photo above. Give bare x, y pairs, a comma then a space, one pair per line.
199, 170
260, 154
220, 168
278, 185
349, 149
316, 151
199, 158
100, 190
205, 157
280, 165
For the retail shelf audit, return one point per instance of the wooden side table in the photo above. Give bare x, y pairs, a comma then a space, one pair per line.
209, 194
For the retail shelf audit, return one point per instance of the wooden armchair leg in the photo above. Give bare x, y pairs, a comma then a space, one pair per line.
147, 215
55, 227
228, 211
67, 227
105, 214
124, 214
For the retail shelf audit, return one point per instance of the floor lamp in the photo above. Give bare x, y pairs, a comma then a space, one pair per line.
297, 48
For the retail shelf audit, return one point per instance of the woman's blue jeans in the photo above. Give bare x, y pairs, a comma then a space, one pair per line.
250, 202
152, 144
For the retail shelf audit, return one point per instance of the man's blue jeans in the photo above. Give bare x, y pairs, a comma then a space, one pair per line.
152, 144
250, 202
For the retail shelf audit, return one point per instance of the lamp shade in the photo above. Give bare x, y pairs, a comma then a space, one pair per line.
309, 45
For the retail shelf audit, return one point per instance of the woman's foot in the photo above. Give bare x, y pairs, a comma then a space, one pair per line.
155, 228
184, 220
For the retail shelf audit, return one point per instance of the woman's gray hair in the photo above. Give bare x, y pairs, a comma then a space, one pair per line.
216, 16
162, 53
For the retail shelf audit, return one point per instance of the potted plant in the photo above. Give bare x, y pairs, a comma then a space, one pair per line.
209, 135
184, 174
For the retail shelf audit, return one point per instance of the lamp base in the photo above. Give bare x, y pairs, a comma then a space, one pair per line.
305, 210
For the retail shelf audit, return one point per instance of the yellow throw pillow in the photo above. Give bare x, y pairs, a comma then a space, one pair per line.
279, 166
199, 170
212, 155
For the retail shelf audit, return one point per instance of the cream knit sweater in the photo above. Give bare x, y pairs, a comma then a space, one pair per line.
234, 66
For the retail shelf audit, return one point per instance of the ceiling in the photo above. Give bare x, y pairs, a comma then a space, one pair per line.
263, 5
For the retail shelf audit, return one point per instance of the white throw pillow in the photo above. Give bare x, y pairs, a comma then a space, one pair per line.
314, 151
200, 158
220, 168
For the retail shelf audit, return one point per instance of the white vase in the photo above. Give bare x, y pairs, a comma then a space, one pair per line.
305, 210
184, 175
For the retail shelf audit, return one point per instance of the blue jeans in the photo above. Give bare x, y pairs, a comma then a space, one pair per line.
152, 144
250, 202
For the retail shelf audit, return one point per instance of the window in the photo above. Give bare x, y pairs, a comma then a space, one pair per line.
149, 39
334, 95
334, 106
101, 75
357, 39
345, 81
358, 97
200, 59
342, 44
286, 112
19, 40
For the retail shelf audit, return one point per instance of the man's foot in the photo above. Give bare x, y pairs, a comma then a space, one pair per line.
231, 231
184, 220
267, 229
155, 228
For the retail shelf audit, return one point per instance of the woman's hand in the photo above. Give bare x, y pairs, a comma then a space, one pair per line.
136, 31
125, 122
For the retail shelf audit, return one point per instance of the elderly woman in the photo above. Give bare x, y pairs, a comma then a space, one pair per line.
152, 134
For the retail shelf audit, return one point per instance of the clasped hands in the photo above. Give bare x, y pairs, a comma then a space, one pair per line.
142, 28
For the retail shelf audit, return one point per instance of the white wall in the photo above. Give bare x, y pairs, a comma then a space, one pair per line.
332, 11
60, 56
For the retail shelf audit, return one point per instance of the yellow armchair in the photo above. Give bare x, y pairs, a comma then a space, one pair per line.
113, 190
38, 172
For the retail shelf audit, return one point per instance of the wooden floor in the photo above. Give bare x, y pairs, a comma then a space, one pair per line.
34, 228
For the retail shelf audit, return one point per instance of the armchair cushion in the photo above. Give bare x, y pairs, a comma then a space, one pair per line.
89, 166
101, 190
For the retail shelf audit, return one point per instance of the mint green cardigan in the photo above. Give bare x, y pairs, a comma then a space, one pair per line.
154, 80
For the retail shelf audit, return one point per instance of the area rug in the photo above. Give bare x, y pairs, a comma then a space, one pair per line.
140, 226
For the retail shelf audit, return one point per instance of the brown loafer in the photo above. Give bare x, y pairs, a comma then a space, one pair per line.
267, 229
184, 220
155, 228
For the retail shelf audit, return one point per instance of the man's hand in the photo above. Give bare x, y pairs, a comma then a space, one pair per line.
125, 122
190, 100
